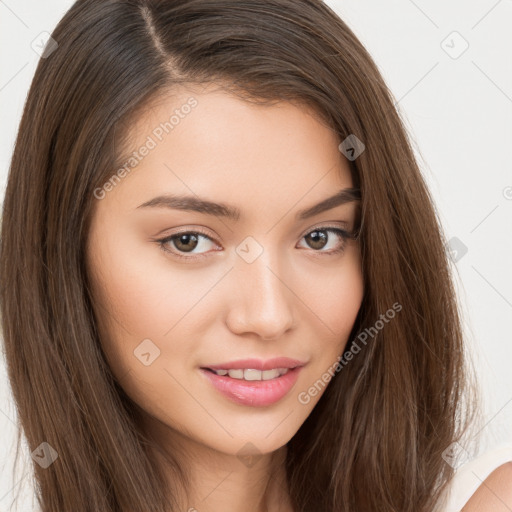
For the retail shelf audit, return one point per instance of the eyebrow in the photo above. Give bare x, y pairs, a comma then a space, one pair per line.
197, 204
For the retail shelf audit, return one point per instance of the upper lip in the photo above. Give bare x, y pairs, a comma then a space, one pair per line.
257, 364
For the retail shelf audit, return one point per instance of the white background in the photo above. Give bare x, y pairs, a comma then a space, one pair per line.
459, 114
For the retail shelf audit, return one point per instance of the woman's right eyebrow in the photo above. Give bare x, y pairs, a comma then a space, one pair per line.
203, 205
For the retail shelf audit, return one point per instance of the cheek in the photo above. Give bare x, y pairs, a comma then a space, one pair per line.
148, 327
335, 302
141, 299
143, 291
335, 296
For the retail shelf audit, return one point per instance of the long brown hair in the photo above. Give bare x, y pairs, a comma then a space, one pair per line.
375, 439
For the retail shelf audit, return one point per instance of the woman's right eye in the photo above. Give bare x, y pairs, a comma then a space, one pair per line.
185, 242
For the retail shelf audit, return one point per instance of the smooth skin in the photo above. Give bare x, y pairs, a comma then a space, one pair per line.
294, 300
495, 493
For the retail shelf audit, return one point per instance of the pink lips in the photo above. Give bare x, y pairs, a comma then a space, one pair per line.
255, 393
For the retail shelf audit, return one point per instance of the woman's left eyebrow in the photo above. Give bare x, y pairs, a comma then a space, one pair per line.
202, 205
345, 195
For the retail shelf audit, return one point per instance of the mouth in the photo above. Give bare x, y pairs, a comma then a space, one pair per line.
242, 383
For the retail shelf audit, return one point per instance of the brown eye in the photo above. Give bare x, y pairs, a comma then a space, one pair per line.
185, 242
318, 239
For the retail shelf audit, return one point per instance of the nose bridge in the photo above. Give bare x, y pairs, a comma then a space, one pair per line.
264, 302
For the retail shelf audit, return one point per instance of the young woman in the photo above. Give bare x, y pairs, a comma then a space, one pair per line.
224, 283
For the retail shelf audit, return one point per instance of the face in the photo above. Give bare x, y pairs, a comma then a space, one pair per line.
181, 287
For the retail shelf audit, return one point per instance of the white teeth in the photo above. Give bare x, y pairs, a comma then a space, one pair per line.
236, 374
270, 374
251, 374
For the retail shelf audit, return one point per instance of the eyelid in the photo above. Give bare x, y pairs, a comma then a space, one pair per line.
344, 226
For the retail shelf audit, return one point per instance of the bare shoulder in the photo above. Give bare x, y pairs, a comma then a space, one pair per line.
495, 492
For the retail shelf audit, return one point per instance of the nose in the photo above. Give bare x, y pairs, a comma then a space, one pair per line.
262, 302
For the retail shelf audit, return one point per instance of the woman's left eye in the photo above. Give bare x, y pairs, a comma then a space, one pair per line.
318, 239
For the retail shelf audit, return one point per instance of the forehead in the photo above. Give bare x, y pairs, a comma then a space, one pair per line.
211, 143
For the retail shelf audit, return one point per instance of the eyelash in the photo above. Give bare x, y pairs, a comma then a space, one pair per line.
345, 235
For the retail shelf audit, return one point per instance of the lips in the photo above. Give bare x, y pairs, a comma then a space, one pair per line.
253, 393
243, 381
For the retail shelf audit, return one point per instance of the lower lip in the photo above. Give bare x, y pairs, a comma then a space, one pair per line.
255, 393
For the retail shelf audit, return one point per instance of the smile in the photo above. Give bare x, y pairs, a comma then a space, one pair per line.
252, 374
255, 388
